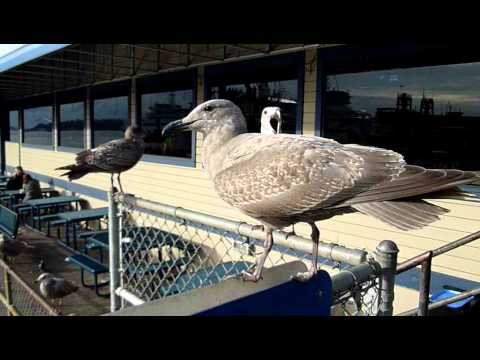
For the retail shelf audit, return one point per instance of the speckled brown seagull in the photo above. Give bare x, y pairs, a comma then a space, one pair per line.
283, 179
113, 157
55, 288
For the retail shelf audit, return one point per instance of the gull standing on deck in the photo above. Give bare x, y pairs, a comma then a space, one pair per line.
114, 157
55, 289
283, 179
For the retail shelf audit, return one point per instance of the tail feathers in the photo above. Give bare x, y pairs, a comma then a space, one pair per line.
75, 171
413, 185
68, 167
403, 215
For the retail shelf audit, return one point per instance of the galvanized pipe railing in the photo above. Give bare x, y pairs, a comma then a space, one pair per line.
331, 252
442, 303
425, 260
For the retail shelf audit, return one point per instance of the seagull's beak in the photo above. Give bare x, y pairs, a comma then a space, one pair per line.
177, 126
276, 121
278, 115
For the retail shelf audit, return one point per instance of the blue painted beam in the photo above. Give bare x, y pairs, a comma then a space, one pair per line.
27, 53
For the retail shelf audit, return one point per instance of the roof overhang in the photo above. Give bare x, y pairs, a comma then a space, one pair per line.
45, 68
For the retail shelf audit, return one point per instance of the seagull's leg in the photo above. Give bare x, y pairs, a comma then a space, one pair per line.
111, 180
119, 183
60, 305
304, 277
292, 233
257, 274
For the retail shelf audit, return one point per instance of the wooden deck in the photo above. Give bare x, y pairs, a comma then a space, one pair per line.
82, 303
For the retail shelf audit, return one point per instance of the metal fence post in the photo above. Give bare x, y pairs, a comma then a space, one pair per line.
386, 255
425, 278
114, 252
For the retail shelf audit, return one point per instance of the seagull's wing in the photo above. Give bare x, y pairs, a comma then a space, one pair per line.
278, 176
113, 156
63, 287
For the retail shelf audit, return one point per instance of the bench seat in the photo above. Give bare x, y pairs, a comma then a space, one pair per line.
85, 263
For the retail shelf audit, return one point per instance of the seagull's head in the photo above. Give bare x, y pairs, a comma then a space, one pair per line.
134, 132
210, 116
271, 122
41, 277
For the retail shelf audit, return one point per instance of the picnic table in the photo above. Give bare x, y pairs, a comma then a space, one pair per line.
70, 218
33, 207
13, 196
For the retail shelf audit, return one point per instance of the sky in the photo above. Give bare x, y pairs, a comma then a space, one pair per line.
6, 48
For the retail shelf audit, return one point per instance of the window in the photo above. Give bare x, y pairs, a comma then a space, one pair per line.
256, 84
37, 126
429, 114
13, 121
159, 109
71, 125
110, 119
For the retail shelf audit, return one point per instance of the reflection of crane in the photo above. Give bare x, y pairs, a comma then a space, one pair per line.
426, 105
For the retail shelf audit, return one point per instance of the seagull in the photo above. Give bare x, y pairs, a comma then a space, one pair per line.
283, 179
12, 248
55, 289
113, 157
271, 121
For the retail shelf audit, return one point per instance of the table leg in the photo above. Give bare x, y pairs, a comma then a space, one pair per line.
67, 235
74, 235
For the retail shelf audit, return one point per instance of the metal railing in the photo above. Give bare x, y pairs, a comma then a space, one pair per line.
157, 250
17, 298
425, 261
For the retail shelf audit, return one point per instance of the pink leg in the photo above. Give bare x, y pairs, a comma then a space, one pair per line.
257, 274
304, 277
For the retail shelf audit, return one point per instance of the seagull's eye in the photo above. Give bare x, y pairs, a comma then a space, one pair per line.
207, 108
265, 112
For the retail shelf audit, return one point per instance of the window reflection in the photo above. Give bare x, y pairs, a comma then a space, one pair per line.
110, 119
38, 126
72, 122
428, 114
253, 97
13, 121
158, 110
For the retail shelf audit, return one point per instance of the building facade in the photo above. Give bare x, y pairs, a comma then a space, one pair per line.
421, 100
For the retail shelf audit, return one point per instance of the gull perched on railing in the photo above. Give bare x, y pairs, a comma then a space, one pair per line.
283, 179
55, 288
271, 120
114, 157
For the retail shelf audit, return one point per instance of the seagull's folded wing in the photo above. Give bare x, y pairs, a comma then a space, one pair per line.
278, 176
115, 155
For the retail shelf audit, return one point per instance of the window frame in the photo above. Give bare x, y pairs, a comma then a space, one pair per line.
163, 83
222, 73
350, 59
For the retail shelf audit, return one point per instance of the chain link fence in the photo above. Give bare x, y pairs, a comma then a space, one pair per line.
167, 251
19, 299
